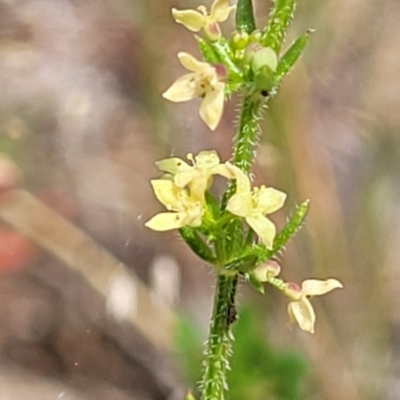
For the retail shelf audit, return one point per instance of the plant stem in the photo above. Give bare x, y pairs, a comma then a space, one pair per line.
247, 136
246, 140
219, 343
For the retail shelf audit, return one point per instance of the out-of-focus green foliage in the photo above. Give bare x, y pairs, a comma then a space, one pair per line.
259, 371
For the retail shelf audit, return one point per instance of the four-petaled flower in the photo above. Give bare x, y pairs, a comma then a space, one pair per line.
183, 209
196, 177
254, 205
300, 309
197, 20
204, 81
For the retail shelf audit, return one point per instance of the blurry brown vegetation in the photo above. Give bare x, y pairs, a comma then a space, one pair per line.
82, 117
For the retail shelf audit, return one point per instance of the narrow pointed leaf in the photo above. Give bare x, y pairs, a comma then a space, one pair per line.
212, 205
291, 56
208, 52
255, 283
245, 16
222, 49
243, 264
291, 227
197, 244
289, 230
278, 23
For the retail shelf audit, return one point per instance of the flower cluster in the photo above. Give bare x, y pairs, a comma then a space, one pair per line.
182, 191
205, 80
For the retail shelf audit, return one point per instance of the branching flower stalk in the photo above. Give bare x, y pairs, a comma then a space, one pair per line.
233, 234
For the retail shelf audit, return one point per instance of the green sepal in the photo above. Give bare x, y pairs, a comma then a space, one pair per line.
212, 205
245, 16
274, 33
291, 56
256, 284
197, 244
233, 237
207, 50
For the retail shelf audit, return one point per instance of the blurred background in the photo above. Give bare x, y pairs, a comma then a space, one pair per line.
95, 306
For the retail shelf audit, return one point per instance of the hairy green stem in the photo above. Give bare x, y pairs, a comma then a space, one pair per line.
220, 338
247, 136
219, 342
246, 139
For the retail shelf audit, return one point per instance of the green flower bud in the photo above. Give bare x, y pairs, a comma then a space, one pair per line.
255, 36
264, 57
239, 40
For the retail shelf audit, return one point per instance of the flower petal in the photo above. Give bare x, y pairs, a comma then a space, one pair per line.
303, 313
207, 159
240, 204
185, 177
268, 200
220, 10
222, 170
243, 184
192, 20
212, 105
184, 88
166, 221
194, 65
173, 165
315, 287
264, 228
167, 193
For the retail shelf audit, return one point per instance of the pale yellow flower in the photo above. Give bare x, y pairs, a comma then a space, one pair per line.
300, 309
197, 177
255, 205
183, 209
197, 20
203, 81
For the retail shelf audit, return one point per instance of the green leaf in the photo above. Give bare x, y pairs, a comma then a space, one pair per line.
289, 230
197, 244
291, 227
274, 33
291, 56
245, 16
256, 284
222, 49
208, 52
212, 205
243, 264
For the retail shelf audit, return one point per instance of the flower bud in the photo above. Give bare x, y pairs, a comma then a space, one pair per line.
264, 57
239, 40
267, 270
255, 36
